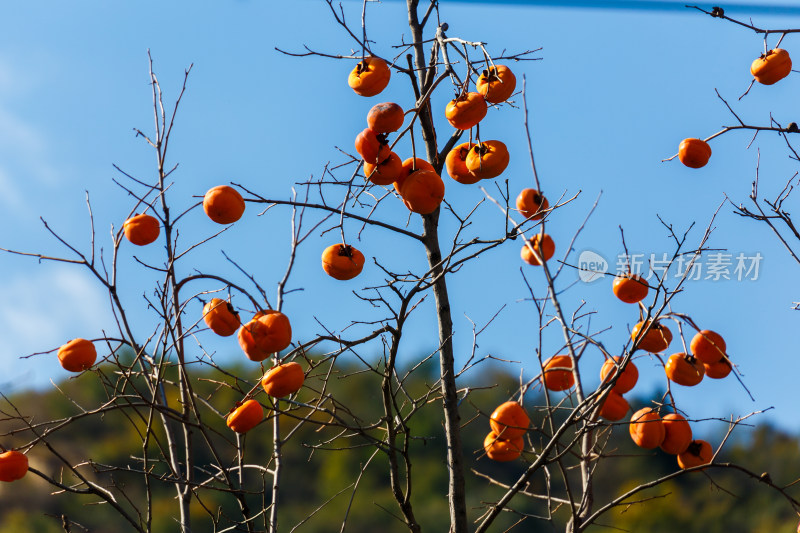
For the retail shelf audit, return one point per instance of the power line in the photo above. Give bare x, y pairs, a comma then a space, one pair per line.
647, 5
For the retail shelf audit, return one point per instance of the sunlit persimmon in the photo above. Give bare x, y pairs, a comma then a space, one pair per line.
646, 428
220, 316
698, 453
543, 248
510, 420
342, 261
422, 191
557, 374
385, 118
386, 172
283, 380
466, 110
223, 204
141, 229
13, 465
496, 83
684, 369
708, 346
502, 450
370, 76
771, 67
372, 146
77, 355
411, 165
677, 434
267, 333
488, 159
245, 416
626, 380
694, 153
615, 407
657, 338
532, 204
718, 370
630, 288
456, 164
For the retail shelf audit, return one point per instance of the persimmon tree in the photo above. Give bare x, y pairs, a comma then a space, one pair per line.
555, 430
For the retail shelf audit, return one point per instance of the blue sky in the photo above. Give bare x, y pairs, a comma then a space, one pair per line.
613, 94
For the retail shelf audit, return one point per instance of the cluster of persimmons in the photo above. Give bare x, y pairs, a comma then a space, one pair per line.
648, 429
414, 179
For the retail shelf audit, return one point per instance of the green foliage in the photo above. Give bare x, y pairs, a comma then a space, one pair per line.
324, 464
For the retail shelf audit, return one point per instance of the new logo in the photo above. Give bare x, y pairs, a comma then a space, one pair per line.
591, 266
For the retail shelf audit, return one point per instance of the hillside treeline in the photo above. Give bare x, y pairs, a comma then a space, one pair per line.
333, 477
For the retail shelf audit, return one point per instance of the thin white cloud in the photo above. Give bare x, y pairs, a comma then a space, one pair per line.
10, 84
42, 309
12, 195
24, 158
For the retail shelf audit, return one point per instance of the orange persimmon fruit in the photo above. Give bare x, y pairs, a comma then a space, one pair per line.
684, 369
267, 333
223, 204
646, 428
509, 420
532, 204
487, 159
385, 118
694, 153
630, 288
677, 434
141, 229
502, 450
77, 355
657, 338
771, 67
626, 380
544, 247
370, 76
698, 453
283, 380
496, 84
456, 164
342, 261
13, 465
386, 172
466, 110
708, 346
615, 407
220, 316
557, 375
245, 416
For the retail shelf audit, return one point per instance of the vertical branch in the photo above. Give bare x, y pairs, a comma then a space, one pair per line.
452, 421
276, 469
171, 305
297, 224
393, 419
587, 436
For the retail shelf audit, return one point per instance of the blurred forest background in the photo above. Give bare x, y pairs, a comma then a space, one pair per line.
317, 470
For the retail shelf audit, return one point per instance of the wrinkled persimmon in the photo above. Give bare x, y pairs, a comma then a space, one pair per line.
370, 76
342, 261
